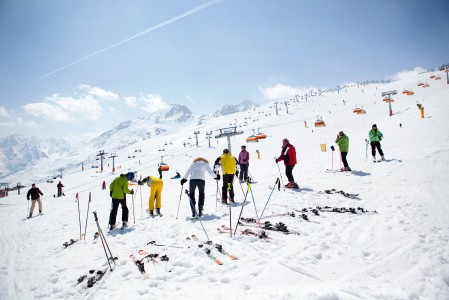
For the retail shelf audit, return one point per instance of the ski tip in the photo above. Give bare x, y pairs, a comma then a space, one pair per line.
218, 262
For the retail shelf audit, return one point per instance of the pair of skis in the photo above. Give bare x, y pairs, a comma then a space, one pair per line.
261, 234
95, 275
208, 251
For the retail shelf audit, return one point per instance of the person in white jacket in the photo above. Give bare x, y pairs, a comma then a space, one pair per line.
196, 173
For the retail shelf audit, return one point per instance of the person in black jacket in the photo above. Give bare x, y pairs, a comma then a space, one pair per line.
35, 194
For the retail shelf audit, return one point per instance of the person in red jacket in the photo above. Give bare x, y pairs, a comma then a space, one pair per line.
288, 155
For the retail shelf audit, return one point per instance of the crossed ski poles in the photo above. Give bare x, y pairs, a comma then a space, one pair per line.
104, 243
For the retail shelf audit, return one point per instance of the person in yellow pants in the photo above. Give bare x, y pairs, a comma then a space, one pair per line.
156, 185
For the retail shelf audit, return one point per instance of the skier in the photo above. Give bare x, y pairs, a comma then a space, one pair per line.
375, 136
34, 193
176, 176
196, 173
60, 186
229, 166
156, 185
288, 155
103, 186
343, 145
118, 190
244, 164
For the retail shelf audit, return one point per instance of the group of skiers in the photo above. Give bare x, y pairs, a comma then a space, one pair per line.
375, 136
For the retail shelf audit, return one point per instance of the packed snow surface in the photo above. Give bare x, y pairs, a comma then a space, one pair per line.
400, 252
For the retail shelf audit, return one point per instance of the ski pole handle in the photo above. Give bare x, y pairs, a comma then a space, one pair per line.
95, 216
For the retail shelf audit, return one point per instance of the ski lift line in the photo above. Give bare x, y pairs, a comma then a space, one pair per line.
92, 185
162, 24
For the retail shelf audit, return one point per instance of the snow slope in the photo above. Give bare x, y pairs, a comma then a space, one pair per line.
401, 252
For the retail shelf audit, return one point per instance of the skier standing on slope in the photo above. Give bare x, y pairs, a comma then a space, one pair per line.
118, 190
229, 166
288, 155
196, 173
375, 136
34, 193
60, 186
343, 145
156, 185
244, 164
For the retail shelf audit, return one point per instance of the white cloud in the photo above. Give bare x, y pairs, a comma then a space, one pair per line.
18, 122
98, 93
66, 109
131, 101
152, 103
3, 112
282, 91
406, 74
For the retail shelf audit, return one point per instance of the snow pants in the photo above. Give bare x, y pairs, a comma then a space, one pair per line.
113, 215
343, 159
193, 184
227, 178
289, 173
156, 194
33, 203
375, 145
243, 172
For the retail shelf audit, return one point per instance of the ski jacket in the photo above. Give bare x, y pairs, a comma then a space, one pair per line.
119, 187
375, 135
150, 180
288, 155
229, 164
343, 143
198, 168
244, 157
60, 186
34, 193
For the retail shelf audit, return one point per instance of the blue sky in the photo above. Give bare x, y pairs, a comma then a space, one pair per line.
209, 53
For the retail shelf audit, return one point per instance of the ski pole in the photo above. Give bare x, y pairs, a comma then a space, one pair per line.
332, 165
280, 175
230, 215
104, 243
366, 151
243, 205
254, 202
193, 208
179, 205
79, 214
250, 175
279, 188
141, 204
28, 208
87, 216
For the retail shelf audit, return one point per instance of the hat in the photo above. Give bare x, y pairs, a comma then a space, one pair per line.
129, 175
341, 133
225, 151
244, 146
374, 125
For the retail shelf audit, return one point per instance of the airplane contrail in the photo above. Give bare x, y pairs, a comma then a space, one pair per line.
183, 15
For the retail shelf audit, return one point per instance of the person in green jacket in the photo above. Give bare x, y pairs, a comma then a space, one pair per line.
118, 190
343, 145
375, 136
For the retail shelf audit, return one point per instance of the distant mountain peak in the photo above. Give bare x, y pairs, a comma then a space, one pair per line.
231, 109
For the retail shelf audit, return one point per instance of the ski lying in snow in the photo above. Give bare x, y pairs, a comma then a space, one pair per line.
207, 250
302, 216
261, 234
96, 275
162, 245
140, 265
280, 227
334, 191
69, 243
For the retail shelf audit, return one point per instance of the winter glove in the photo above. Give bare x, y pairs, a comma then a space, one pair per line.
218, 177
183, 181
110, 193
236, 173
139, 182
132, 192
275, 160
332, 147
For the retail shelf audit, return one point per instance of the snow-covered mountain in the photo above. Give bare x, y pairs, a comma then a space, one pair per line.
18, 152
231, 109
392, 245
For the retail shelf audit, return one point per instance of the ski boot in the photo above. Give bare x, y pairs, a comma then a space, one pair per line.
150, 212
158, 211
200, 211
125, 224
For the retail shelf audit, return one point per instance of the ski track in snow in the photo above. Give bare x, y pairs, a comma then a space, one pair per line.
400, 252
